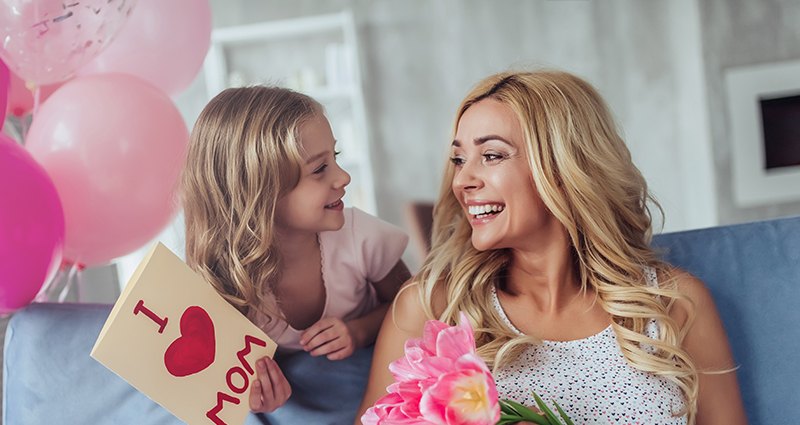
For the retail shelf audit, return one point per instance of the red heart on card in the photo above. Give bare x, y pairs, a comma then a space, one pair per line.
194, 350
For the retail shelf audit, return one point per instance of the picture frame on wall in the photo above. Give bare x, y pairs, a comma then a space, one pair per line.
764, 111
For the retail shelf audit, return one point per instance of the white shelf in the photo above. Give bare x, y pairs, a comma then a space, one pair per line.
319, 55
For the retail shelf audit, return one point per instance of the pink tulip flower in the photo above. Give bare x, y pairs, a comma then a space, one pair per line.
439, 381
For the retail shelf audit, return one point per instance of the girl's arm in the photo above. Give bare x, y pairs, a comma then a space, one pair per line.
719, 401
405, 319
365, 328
338, 339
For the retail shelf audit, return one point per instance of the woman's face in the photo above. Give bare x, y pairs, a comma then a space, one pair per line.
315, 205
493, 181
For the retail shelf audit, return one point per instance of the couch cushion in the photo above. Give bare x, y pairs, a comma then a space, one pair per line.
753, 273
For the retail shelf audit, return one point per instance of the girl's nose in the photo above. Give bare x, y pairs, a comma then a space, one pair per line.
342, 178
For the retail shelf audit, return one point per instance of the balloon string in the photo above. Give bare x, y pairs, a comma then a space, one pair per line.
79, 277
44, 293
24, 124
70, 279
36, 96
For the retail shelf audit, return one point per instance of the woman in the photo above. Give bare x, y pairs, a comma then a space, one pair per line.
541, 235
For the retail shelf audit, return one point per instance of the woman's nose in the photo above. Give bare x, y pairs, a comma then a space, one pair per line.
466, 177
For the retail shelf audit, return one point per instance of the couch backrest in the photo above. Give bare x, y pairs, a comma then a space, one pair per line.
753, 272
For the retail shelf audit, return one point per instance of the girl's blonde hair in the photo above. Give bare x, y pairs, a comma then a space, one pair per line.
584, 174
244, 156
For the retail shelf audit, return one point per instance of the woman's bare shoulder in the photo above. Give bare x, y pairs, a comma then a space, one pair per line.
690, 293
413, 306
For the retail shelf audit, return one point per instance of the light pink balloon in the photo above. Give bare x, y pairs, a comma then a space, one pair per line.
164, 42
46, 41
31, 226
114, 146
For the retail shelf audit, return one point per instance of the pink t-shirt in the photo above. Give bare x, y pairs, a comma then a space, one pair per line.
363, 251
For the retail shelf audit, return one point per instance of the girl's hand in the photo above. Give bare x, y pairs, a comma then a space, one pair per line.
329, 336
270, 389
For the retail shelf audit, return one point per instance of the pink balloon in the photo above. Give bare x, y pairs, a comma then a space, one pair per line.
20, 98
31, 226
46, 41
114, 146
5, 79
164, 42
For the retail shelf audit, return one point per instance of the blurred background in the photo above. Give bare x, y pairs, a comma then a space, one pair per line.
391, 74
661, 65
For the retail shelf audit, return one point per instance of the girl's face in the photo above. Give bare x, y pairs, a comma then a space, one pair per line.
493, 180
315, 205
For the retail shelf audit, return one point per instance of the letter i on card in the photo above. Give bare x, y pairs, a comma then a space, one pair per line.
176, 340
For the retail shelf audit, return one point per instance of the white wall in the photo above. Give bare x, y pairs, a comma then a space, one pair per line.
420, 57
742, 33
658, 63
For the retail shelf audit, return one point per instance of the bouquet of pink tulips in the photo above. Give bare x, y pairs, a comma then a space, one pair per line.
442, 381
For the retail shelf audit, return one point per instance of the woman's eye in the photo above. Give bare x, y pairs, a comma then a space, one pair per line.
492, 156
457, 161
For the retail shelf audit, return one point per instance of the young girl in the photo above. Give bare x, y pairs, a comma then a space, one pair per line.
266, 226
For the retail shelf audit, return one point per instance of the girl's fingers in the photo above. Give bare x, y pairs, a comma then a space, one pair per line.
281, 390
322, 340
255, 396
340, 354
327, 348
316, 328
270, 389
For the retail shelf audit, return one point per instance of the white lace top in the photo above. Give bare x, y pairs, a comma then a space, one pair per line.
591, 380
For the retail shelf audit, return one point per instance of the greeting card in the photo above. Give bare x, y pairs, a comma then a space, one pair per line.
174, 338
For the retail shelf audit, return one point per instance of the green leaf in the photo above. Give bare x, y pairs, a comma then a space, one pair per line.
551, 417
563, 414
506, 408
526, 414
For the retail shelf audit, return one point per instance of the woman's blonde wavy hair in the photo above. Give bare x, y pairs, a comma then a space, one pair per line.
586, 178
243, 157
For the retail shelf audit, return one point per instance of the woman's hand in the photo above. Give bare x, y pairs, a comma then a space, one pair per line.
330, 336
270, 389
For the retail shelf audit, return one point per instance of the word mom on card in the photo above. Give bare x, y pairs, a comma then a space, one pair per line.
176, 340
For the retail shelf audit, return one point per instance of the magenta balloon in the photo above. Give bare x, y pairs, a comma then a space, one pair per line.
5, 85
114, 146
164, 42
46, 41
31, 226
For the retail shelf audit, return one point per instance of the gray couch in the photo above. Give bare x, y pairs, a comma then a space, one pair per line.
753, 271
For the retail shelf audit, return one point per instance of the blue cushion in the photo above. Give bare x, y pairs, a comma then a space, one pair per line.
753, 273
49, 377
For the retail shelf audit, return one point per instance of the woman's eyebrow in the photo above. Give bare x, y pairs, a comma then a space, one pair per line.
481, 140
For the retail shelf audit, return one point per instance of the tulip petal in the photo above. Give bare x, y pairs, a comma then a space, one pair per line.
453, 343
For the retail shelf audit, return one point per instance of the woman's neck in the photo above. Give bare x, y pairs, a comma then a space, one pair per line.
547, 275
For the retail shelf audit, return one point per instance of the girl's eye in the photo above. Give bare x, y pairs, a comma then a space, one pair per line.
320, 169
492, 156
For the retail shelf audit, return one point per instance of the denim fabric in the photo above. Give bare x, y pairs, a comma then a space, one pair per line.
324, 392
